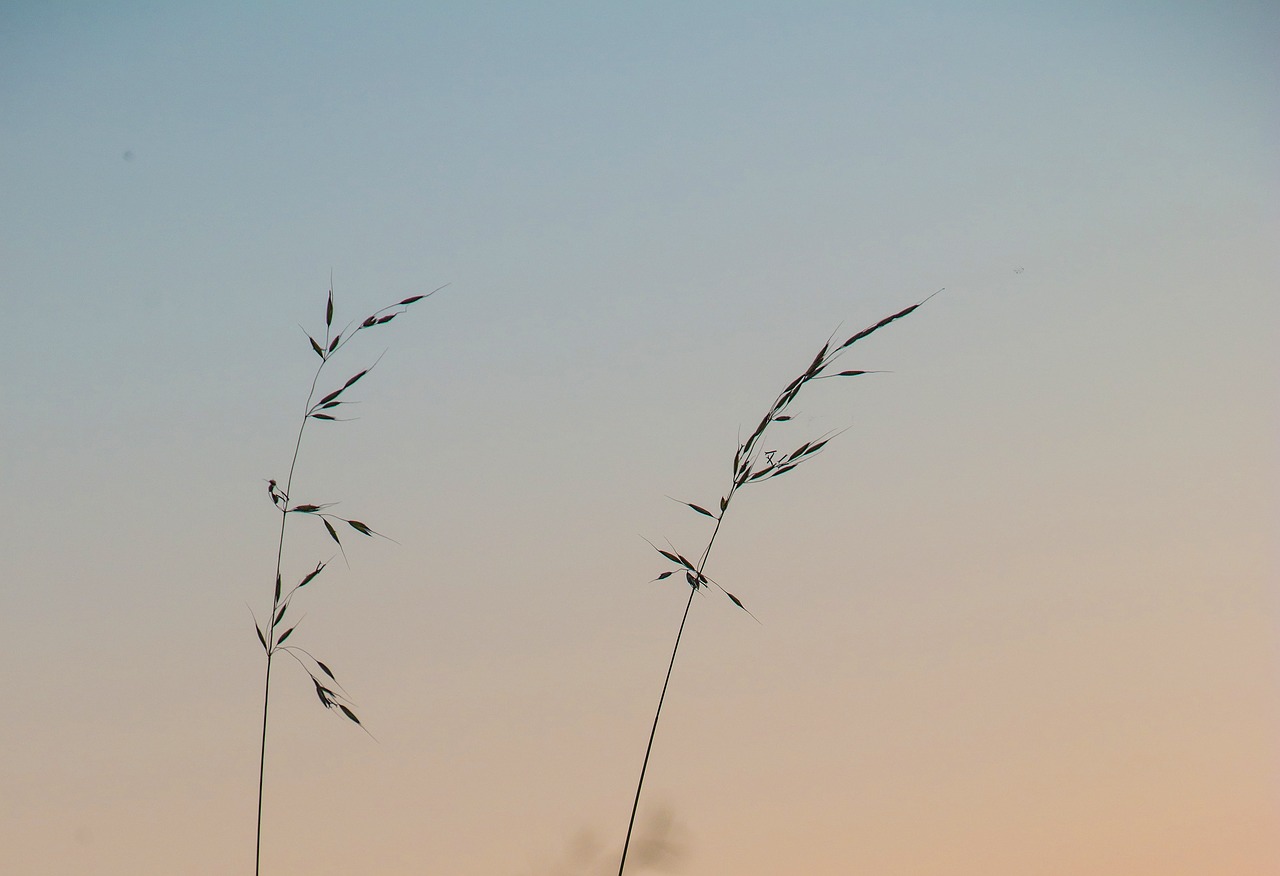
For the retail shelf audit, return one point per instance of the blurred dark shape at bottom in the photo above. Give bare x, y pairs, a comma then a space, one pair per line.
660, 845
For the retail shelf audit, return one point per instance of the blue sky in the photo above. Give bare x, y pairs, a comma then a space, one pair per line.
1022, 611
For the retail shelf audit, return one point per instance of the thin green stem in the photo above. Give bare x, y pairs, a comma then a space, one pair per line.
653, 731
262, 764
275, 604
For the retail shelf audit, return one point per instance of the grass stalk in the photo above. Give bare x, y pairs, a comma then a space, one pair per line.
324, 410
752, 464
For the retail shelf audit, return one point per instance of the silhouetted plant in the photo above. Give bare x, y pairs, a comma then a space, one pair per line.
271, 636
752, 464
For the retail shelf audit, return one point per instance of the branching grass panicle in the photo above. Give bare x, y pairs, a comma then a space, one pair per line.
752, 464
273, 633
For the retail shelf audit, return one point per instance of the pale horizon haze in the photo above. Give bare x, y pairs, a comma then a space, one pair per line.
1019, 617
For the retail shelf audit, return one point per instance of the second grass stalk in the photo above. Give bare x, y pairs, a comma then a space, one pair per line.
752, 464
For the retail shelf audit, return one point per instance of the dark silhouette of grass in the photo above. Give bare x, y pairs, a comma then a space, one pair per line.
752, 464
324, 410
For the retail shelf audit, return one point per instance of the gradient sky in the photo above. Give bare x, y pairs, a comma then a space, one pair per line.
1020, 618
